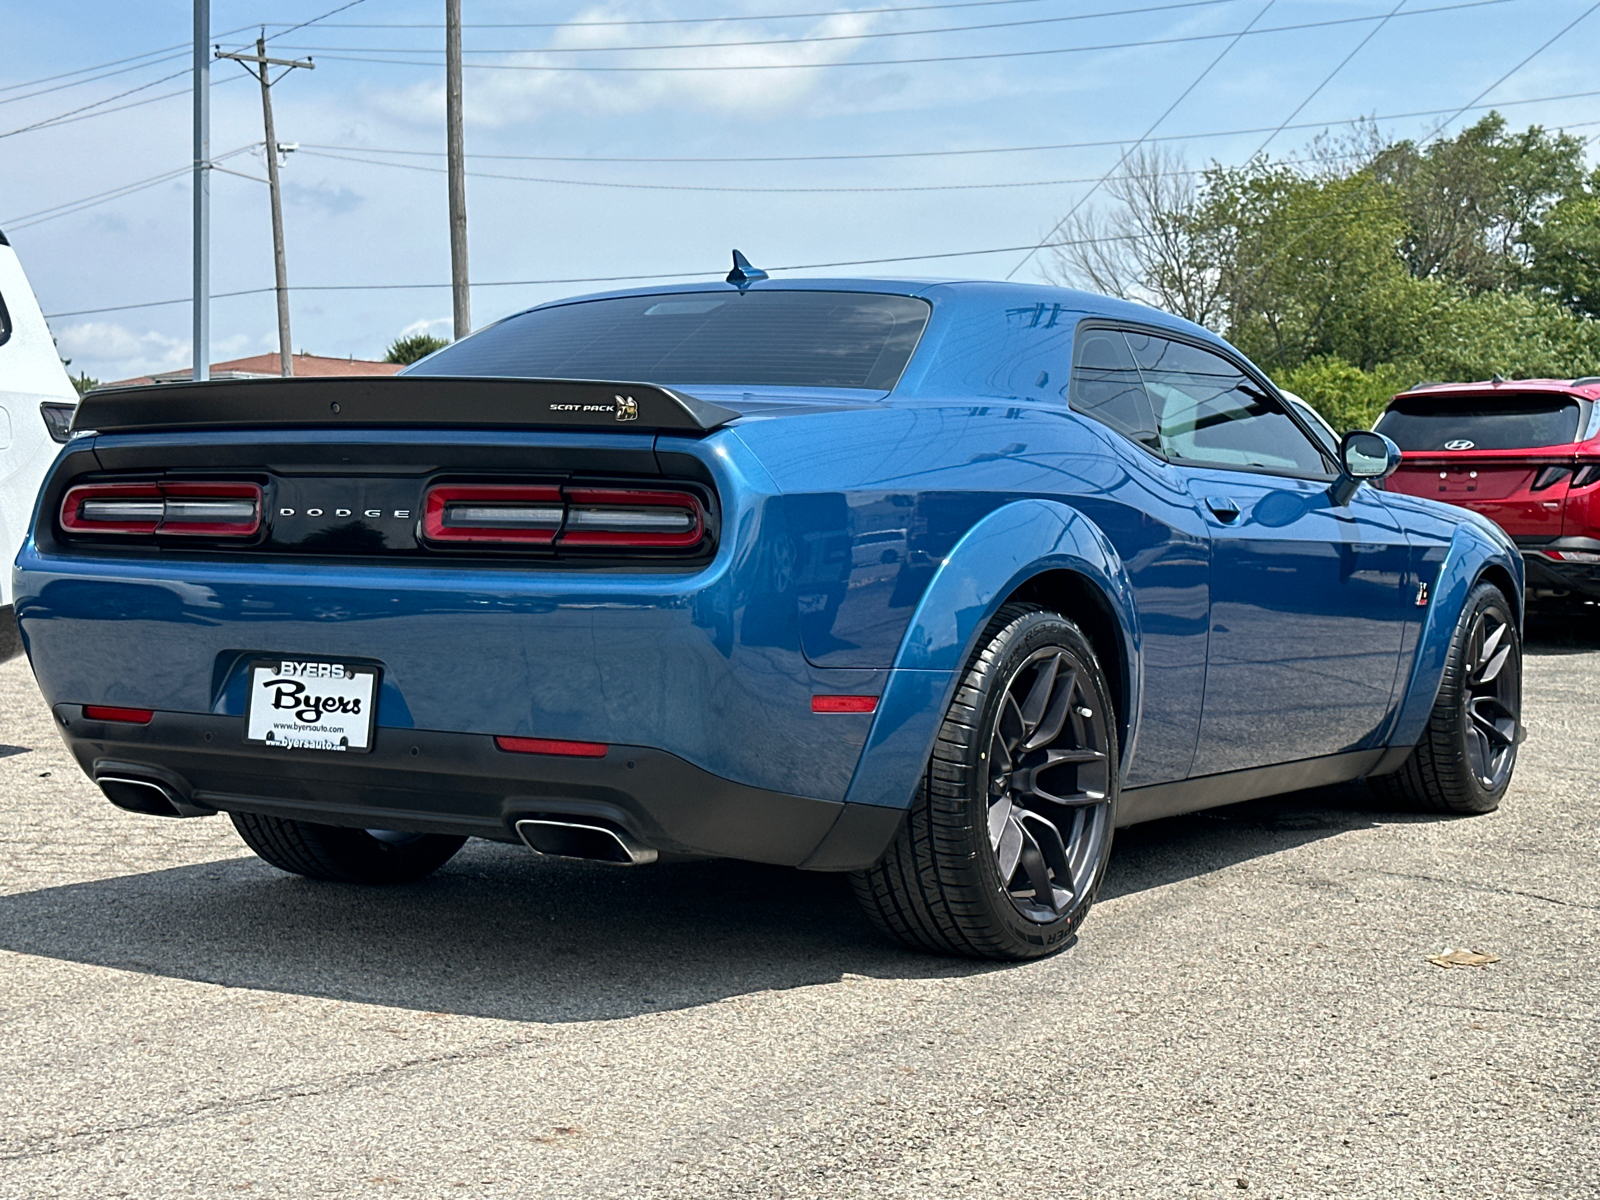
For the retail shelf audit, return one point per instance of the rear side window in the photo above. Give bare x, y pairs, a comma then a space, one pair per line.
758, 338
1502, 422
5, 318
1106, 386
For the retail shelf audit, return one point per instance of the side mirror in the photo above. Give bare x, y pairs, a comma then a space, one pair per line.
1363, 456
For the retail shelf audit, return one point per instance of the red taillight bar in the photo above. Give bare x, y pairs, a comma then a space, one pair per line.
186, 509
507, 513
129, 716
548, 515
527, 745
844, 704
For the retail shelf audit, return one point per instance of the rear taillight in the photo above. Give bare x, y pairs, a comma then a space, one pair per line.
493, 513
187, 509
1549, 477
624, 517
511, 514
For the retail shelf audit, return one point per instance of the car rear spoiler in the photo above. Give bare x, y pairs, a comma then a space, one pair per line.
378, 401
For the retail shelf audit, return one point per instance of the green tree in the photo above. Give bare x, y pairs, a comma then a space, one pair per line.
417, 345
1363, 267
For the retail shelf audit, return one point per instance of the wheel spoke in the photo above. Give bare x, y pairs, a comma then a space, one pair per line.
1033, 708
1490, 643
1487, 671
1009, 849
1038, 874
1011, 728
999, 816
1055, 718
1494, 721
1048, 838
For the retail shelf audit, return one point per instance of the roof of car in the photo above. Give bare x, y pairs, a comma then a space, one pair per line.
1587, 387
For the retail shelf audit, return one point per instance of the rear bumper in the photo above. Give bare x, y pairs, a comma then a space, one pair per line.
461, 783
1547, 574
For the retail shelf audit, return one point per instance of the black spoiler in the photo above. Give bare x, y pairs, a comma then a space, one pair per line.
389, 401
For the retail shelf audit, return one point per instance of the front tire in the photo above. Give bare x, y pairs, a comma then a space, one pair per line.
1005, 845
335, 854
1467, 754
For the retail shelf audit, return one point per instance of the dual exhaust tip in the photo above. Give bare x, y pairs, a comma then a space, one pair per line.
545, 835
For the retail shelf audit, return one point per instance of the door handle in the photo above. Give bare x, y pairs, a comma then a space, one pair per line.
1224, 509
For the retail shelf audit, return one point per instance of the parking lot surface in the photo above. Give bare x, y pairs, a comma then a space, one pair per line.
1249, 1010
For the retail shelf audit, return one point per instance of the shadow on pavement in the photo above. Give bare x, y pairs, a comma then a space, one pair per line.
500, 933
1562, 628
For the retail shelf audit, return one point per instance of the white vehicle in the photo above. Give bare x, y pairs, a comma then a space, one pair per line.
36, 406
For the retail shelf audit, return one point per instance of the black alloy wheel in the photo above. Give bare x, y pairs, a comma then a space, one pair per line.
1049, 785
1465, 759
1005, 846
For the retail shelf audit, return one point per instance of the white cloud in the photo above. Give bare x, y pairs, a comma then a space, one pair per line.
504, 97
107, 350
438, 326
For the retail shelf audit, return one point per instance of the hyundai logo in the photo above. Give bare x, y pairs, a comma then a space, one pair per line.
1460, 444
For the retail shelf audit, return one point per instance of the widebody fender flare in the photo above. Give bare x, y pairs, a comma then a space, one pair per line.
1010, 546
1472, 552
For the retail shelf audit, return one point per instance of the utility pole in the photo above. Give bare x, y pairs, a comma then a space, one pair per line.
202, 190
460, 297
279, 266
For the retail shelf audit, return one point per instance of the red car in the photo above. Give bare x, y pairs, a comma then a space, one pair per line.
1525, 453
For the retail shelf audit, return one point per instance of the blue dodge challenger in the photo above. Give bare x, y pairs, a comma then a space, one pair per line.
937, 583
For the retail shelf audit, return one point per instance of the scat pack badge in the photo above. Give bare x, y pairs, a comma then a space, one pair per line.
627, 408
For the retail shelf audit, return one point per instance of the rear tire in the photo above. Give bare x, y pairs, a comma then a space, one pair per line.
1468, 752
1005, 845
335, 854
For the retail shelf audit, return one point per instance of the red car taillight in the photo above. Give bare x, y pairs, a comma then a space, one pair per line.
493, 513
513, 514
624, 517
189, 509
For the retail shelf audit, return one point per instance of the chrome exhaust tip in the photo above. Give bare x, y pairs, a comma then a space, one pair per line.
591, 843
151, 797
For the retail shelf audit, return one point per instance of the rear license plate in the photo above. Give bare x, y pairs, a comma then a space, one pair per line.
311, 705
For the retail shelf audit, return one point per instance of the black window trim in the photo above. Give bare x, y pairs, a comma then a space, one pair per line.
5, 320
1226, 353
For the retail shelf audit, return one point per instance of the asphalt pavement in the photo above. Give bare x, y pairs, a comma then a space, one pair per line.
1249, 1010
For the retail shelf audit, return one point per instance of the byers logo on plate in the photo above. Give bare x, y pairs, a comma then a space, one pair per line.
311, 705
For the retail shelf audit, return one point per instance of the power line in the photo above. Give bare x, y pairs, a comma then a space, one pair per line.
837, 12
314, 20
65, 119
61, 118
1167, 112
901, 62
1328, 78
898, 154
717, 274
737, 188
116, 62
798, 41
91, 79
1542, 48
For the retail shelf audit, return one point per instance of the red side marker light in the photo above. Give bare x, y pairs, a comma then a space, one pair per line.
844, 704
129, 716
522, 745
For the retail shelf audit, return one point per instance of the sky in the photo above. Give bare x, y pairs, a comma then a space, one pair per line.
558, 188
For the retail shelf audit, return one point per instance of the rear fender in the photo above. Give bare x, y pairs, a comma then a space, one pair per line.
1472, 553
991, 561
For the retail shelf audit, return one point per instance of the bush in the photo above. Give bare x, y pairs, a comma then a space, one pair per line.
409, 349
1347, 396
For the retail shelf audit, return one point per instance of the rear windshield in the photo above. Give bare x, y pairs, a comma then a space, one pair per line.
759, 339
1504, 422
